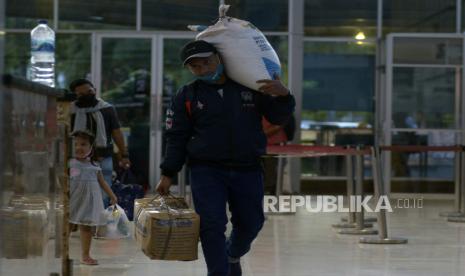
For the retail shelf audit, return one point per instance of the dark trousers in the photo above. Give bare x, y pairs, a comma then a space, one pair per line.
270, 168
212, 188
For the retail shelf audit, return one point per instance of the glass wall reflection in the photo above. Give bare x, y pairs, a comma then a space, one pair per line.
424, 97
72, 54
338, 76
94, 15
19, 17
266, 15
340, 18
337, 105
126, 79
421, 50
31, 209
412, 16
176, 15
433, 165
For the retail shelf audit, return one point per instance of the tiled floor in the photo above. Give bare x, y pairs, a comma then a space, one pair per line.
305, 244
301, 244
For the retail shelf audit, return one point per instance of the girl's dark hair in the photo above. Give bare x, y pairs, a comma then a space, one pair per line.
85, 134
89, 136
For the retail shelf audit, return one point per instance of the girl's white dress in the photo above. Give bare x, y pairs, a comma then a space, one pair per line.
86, 203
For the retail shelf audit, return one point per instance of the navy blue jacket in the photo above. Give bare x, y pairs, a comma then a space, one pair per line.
220, 125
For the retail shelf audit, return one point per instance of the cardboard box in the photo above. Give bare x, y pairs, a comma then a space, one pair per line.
164, 232
24, 226
14, 241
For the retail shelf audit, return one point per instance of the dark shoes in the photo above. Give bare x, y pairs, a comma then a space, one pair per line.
235, 269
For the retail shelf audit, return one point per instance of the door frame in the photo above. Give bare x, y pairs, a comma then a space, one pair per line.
385, 111
156, 84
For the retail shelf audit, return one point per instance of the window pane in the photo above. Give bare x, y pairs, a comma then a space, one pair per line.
337, 107
280, 45
176, 15
463, 15
338, 77
102, 14
419, 16
436, 165
340, 17
124, 61
17, 54
424, 97
174, 74
72, 58
20, 17
126, 79
266, 15
428, 50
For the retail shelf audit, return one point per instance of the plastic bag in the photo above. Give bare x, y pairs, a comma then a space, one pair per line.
247, 54
117, 224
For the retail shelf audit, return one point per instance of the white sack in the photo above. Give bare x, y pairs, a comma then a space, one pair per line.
246, 53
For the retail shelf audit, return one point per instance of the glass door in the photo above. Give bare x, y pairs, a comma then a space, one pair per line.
422, 104
124, 75
174, 76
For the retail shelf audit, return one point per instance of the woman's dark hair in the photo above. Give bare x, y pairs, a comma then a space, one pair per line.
85, 134
79, 82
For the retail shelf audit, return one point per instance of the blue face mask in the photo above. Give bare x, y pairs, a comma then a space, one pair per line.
213, 77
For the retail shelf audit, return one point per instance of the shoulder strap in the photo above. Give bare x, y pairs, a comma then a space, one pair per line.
190, 97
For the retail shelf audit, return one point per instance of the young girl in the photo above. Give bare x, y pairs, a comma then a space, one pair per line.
86, 204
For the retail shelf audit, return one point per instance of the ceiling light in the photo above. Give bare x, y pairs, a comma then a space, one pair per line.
360, 36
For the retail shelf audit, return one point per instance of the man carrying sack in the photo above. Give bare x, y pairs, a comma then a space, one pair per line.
215, 123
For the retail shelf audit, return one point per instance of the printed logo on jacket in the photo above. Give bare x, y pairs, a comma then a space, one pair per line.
247, 99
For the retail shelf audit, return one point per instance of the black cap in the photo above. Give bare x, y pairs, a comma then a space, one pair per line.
196, 48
